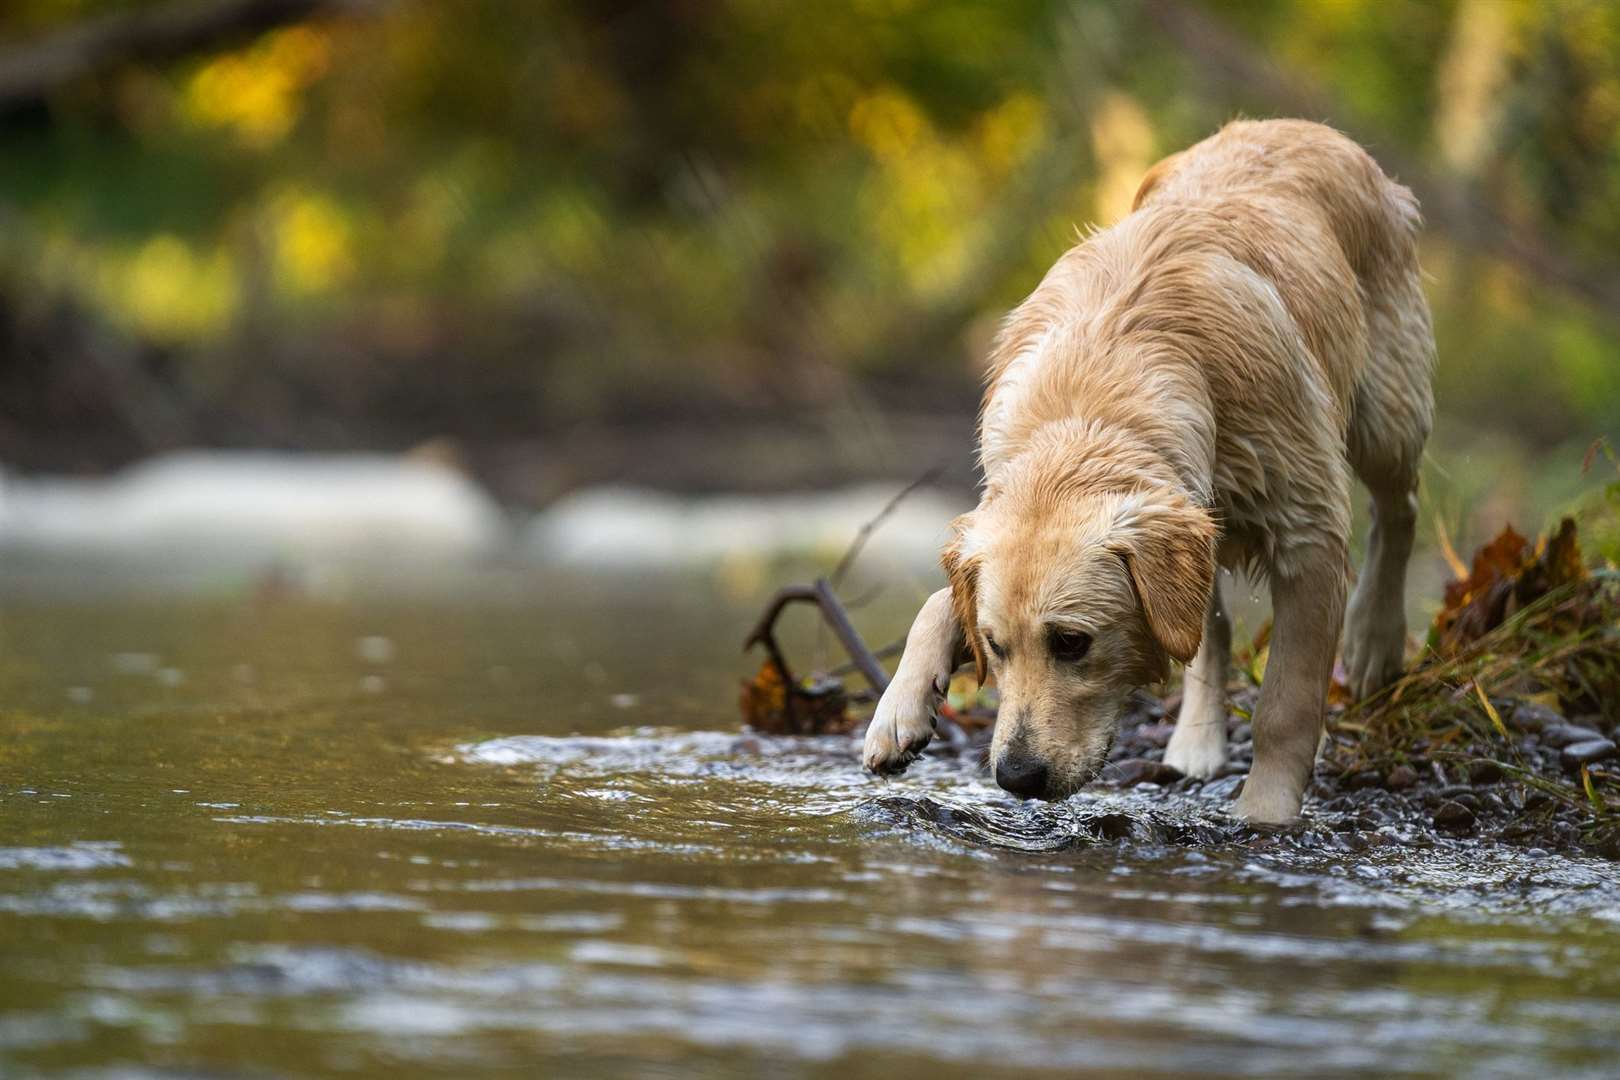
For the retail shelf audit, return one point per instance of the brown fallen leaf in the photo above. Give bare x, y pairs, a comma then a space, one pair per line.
1507, 575
1478, 603
817, 707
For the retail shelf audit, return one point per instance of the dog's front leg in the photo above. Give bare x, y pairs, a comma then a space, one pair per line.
1306, 608
1198, 744
904, 721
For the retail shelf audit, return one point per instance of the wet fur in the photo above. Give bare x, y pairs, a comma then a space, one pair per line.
1191, 386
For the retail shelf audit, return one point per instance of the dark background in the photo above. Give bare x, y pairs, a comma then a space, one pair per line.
734, 244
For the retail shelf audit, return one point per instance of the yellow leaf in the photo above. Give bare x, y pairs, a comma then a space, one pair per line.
1592, 792
1490, 711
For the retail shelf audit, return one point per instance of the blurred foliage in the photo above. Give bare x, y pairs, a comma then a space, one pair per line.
576, 208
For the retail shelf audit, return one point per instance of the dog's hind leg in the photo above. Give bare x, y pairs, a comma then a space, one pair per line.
1375, 621
1394, 404
1307, 604
1198, 745
904, 721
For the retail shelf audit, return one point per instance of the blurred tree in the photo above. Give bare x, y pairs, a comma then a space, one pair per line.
345, 223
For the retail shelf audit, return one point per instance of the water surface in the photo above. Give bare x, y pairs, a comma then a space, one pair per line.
513, 827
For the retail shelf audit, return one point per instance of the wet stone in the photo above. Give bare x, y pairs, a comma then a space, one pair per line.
1225, 787
1367, 778
1484, 772
1586, 752
1156, 734
1568, 734
1134, 771
1454, 817
1401, 777
1529, 716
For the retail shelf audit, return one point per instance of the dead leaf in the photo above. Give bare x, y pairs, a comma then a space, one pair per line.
1478, 603
1507, 575
818, 707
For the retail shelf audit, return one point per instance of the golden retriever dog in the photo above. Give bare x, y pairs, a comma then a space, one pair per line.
1190, 388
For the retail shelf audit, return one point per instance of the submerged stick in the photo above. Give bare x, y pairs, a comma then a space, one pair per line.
832, 611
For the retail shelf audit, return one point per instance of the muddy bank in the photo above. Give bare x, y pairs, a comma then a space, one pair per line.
1504, 727
1447, 795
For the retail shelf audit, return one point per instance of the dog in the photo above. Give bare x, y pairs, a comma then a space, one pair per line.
1192, 387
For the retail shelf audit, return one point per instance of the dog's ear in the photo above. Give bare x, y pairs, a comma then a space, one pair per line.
961, 561
1153, 178
1168, 544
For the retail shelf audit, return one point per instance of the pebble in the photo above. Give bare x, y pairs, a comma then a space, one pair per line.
1584, 753
1400, 778
1484, 772
1133, 771
1567, 734
1157, 734
1454, 817
1532, 717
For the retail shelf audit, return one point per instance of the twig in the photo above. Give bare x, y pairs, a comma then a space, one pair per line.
821, 594
866, 530
893, 648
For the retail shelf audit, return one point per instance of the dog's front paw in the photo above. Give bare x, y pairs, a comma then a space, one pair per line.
1197, 756
902, 725
1198, 744
1267, 803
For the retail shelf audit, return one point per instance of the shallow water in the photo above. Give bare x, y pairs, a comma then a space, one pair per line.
513, 827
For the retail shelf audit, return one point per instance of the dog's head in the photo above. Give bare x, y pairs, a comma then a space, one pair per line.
1073, 603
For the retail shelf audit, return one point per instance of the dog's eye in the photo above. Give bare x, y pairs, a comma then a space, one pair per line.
1001, 654
1070, 646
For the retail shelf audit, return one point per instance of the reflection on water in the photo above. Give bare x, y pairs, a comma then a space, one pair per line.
516, 830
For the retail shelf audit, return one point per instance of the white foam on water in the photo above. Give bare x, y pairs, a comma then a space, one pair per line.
630, 527
254, 503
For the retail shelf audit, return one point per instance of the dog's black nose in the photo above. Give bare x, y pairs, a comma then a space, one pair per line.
1022, 775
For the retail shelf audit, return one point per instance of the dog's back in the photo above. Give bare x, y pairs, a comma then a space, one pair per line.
1374, 219
1386, 349
1268, 280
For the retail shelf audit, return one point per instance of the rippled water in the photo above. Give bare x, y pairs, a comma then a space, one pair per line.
514, 828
